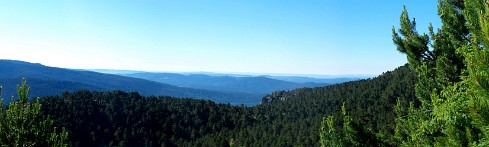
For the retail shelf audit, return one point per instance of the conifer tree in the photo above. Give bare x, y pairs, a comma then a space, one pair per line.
352, 133
453, 79
449, 86
477, 60
22, 125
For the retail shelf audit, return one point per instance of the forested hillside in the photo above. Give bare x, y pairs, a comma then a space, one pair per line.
128, 119
285, 118
293, 118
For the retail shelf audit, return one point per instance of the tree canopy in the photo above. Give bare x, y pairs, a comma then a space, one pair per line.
453, 80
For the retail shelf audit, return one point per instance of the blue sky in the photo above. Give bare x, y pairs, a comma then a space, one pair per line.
327, 37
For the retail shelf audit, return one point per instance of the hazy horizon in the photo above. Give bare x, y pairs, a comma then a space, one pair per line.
236, 73
275, 37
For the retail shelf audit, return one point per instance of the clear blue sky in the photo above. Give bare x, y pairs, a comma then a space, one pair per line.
325, 37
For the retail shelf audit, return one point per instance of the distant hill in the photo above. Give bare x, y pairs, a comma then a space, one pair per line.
53, 81
332, 80
298, 78
246, 84
112, 71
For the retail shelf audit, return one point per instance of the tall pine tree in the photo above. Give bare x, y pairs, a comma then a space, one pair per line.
453, 79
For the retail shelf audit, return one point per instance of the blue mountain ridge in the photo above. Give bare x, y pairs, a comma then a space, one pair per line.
45, 81
243, 89
247, 84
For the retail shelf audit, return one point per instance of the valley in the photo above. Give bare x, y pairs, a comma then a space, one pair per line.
49, 81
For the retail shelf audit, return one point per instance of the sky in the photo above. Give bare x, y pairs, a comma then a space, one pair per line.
323, 37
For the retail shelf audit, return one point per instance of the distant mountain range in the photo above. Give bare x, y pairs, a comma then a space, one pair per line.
296, 78
248, 84
45, 81
222, 88
252, 85
332, 80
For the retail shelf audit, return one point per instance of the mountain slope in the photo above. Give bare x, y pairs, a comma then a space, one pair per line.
293, 118
53, 81
285, 118
255, 85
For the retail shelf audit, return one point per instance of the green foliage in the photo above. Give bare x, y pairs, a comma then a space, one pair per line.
352, 133
118, 118
477, 59
20, 124
442, 119
453, 78
448, 84
328, 134
438, 65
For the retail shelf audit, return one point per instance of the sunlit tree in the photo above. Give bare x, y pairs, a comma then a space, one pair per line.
453, 78
451, 81
21, 124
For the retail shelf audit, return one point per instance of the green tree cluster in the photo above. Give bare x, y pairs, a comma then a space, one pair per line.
21, 123
119, 118
453, 79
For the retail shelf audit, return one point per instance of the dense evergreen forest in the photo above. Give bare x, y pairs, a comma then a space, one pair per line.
285, 118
